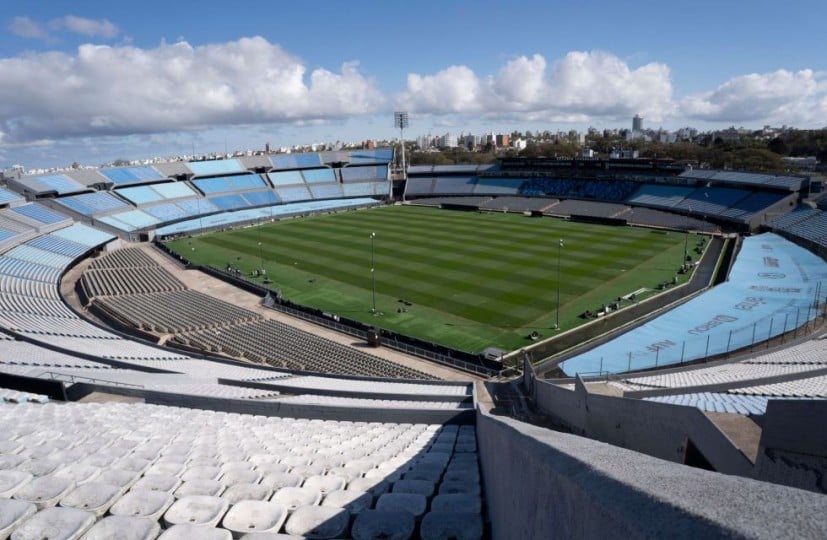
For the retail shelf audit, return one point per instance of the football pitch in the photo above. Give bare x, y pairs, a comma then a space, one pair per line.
466, 280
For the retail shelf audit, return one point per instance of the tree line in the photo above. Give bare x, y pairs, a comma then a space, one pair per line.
749, 152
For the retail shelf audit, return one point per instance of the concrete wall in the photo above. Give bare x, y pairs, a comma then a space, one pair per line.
793, 447
51, 388
657, 429
309, 390
544, 484
781, 207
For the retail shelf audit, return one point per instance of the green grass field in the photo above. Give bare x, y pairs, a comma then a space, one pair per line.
473, 280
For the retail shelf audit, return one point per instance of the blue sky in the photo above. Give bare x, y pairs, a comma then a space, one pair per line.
92, 81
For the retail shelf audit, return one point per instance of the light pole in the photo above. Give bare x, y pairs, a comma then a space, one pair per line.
260, 259
559, 256
373, 270
400, 120
686, 235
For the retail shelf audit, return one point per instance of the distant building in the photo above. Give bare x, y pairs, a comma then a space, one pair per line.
448, 141
471, 141
686, 134
623, 154
731, 134
637, 123
424, 141
503, 139
666, 137
808, 163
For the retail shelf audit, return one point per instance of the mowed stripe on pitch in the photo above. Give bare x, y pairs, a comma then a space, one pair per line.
484, 269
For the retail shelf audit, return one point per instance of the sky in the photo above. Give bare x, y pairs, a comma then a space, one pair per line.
93, 81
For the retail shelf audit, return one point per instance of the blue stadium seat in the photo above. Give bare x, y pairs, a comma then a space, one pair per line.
139, 195
131, 175
260, 198
319, 175
296, 161
215, 167
59, 183
173, 190
285, 178
92, 203
229, 202
40, 213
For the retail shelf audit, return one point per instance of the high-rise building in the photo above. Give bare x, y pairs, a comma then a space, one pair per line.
448, 141
470, 141
637, 123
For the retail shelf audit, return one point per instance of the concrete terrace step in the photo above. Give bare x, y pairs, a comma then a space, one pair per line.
744, 433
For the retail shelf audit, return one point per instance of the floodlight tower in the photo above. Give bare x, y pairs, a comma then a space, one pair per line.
400, 120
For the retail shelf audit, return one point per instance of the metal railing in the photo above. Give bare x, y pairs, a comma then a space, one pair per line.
776, 333
68, 377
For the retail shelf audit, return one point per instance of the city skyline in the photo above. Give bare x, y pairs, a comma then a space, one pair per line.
101, 82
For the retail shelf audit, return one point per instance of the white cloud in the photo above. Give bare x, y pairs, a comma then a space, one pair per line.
521, 81
601, 84
27, 28
117, 90
455, 89
85, 27
797, 98
582, 85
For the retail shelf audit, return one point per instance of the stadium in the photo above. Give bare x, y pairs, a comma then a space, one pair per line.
309, 345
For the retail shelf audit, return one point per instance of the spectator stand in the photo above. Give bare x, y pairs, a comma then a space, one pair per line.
774, 287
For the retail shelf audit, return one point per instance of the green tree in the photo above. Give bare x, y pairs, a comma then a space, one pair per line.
778, 146
531, 150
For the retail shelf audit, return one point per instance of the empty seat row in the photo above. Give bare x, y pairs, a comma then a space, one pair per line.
128, 281
209, 324
283, 346
76, 469
175, 311
124, 258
